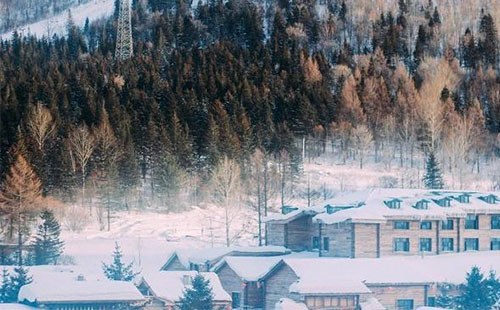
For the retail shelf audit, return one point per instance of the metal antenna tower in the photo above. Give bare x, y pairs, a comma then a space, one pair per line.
124, 48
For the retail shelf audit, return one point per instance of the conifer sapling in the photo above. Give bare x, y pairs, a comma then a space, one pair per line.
117, 270
199, 296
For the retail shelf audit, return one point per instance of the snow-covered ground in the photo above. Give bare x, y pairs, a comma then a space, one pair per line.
94, 9
149, 238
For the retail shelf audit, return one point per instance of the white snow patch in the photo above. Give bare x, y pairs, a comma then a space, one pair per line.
13, 306
288, 304
251, 268
371, 303
93, 10
46, 290
170, 286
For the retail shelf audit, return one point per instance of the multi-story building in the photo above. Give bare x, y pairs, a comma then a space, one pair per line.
386, 222
388, 283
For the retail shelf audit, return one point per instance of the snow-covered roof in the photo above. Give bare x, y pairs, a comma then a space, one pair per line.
47, 291
317, 276
288, 304
371, 303
201, 256
169, 286
15, 306
250, 269
372, 205
325, 274
288, 217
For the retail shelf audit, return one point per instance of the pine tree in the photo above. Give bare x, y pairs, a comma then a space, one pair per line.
475, 293
433, 178
488, 41
47, 245
492, 284
117, 270
5, 287
16, 281
199, 296
445, 300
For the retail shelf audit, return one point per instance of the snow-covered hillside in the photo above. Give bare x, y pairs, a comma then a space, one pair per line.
94, 9
148, 237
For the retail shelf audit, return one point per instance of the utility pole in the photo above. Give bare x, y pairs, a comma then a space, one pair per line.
124, 48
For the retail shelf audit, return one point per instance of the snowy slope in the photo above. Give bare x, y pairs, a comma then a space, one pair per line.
94, 9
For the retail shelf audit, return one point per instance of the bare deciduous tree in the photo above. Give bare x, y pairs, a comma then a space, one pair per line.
40, 125
226, 180
363, 140
81, 146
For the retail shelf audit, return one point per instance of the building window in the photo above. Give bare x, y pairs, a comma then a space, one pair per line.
404, 304
236, 297
393, 204
401, 245
425, 244
315, 243
447, 225
495, 221
194, 267
422, 204
431, 301
471, 244
495, 244
326, 244
426, 225
444, 202
491, 199
464, 198
472, 221
402, 225
447, 244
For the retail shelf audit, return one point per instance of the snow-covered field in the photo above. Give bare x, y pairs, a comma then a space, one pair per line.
94, 9
149, 238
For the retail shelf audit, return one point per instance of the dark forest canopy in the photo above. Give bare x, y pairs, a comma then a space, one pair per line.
226, 78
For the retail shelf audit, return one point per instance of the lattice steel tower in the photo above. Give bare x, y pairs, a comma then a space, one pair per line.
124, 48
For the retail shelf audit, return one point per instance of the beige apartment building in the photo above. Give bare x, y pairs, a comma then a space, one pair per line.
391, 222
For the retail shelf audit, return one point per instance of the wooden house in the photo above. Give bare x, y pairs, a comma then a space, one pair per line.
164, 289
79, 293
242, 278
204, 260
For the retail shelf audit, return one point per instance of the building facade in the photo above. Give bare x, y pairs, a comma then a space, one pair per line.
417, 223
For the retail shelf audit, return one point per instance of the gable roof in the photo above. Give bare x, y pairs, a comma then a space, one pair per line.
249, 269
315, 276
48, 291
214, 255
169, 286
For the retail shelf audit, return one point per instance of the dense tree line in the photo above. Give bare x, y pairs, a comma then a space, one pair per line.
223, 79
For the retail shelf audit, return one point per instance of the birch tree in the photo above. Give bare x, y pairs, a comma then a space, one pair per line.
81, 146
363, 140
226, 182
